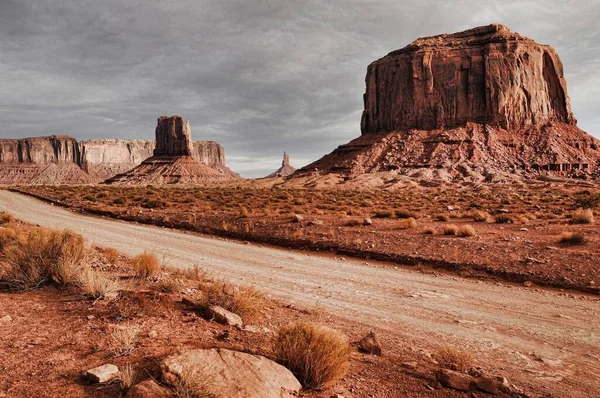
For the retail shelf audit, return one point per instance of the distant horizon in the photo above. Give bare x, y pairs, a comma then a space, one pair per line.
258, 78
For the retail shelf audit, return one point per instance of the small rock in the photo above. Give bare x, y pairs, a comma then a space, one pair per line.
370, 345
90, 317
455, 380
221, 315
102, 374
149, 389
251, 329
316, 222
493, 385
527, 283
524, 229
409, 365
297, 218
110, 296
367, 221
6, 319
153, 334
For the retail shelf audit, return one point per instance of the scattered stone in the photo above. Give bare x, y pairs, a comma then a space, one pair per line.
232, 373
316, 222
370, 344
153, 334
493, 385
527, 284
221, 315
297, 218
102, 374
455, 380
367, 221
90, 317
149, 389
409, 365
6, 319
251, 329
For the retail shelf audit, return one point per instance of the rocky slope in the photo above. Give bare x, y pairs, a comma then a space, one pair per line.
481, 104
285, 170
176, 159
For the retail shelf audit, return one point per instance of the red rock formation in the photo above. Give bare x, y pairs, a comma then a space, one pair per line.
173, 137
486, 75
484, 104
285, 170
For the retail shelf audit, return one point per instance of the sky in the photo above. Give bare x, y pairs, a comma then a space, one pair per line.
257, 76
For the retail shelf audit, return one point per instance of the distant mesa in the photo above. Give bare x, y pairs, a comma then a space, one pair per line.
285, 170
485, 104
173, 161
63, 160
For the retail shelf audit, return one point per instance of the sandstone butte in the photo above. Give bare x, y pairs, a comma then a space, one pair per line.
486, 104
64, 160
285, 170
176, 159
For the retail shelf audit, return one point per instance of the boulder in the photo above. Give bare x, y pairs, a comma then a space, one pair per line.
370, 344
149, 389
221, 315
231, 374
493, 385
455, 380
102, 374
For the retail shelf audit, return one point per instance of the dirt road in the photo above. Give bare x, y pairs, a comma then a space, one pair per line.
551, 338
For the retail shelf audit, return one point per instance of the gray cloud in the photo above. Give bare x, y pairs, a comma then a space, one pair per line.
260, 77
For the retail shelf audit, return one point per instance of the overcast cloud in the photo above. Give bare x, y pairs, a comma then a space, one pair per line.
258, 76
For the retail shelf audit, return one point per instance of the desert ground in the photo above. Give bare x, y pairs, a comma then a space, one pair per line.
542, 339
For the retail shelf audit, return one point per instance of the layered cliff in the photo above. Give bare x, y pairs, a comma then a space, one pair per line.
483, 104
64, 160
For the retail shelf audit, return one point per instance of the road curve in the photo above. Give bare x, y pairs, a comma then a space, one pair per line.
553, 337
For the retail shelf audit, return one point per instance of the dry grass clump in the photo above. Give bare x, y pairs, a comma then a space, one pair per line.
188, 385
409, 223
317, 356
450, 229
127, 376
403, 213
96, 285
45, 256
503, 219
5, 218
480, 216
245, 301
452, 358
7, 236
353, 223
465, 230
383, 214
111, 255
429, 231
582, 216
442, 217
145, 265
572, 238
122, 340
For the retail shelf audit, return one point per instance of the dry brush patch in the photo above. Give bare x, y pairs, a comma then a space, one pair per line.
244, 301
316, 355
145, 265
453, 358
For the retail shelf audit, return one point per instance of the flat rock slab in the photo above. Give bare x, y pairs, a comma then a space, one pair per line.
232, 374
102, 374
221, 315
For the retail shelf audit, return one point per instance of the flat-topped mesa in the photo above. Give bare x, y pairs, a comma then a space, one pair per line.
173, 137
486, 75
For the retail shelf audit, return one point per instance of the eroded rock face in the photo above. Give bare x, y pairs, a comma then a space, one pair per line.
40, 150
105, 158
285, 170
486, 75
173, 137
484, 105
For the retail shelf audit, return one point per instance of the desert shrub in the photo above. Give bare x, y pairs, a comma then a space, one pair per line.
45, 256
429, 231
442, 217
119, 201
480, 216
122, 340
586, 199
5, 218
409, 223
7, 236
111, 255
503, 219
96, 285
145, 265
582, 216
403, 213
153, 204
450, 229
317, 356
465, 230
127, 376
383, 214
353, 223
453, 358
572, 238
245, 301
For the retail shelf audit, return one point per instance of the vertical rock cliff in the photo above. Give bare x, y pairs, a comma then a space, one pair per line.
173, 137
